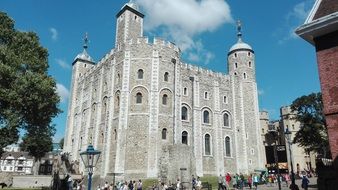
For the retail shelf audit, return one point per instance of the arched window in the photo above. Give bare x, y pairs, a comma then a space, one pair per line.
236, 65
140, 74
226, 120
118, 77
235, 54
164, 99
205, 116
184, 113
225, 99
164, 133
207, 149
166, 76
139, 98
205, 95
185, 91
117, 101
184, 137
249, 54
249, 63
235, 74
115, 134
227, 147
244, 75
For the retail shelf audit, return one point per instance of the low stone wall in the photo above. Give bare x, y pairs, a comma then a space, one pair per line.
30, 181
6, 177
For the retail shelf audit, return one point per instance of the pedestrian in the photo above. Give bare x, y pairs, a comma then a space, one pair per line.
178, 184
255, 181
220, 181
227, 180
139, 185
193, 182
305, 182
250, 181
198, 184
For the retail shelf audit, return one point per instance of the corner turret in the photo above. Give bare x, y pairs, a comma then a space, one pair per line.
129, 24
241, 58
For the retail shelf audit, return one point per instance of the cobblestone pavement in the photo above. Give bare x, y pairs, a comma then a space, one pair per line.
312, 185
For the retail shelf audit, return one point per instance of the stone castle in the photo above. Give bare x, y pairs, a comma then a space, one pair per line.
154, 116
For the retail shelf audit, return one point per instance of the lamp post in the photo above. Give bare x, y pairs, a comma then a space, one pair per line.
288, 138
274, 134
89, 159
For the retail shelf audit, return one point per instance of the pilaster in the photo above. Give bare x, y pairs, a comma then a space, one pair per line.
123, 123
153, 119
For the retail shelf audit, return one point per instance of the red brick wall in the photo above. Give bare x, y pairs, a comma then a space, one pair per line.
327, 58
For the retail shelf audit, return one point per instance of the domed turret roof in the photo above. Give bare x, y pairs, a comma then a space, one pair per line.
84, 55
240, 45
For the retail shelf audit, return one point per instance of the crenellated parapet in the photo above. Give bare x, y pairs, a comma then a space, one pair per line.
203, 71
156, 41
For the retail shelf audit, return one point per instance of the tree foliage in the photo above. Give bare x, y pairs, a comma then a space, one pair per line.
312, 135
28, 98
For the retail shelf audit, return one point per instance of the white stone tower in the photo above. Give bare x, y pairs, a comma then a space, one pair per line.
241, 68
129, 24
76, 133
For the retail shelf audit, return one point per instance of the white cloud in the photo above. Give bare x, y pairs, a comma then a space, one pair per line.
62, 63
260, 92
63, 92
54, 33
199, 54
295, 18
183, 20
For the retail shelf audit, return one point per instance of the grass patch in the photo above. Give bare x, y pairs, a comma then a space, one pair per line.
149, 183
213, 180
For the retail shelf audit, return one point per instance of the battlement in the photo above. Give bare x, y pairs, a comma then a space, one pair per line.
264, 115
286, 110
204, 71
156, 42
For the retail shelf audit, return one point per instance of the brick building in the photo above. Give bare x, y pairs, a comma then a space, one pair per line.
321, 30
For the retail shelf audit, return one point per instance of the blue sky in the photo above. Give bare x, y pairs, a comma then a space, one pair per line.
204, 29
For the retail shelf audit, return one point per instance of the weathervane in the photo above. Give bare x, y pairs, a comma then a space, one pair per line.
85, 45
239, 28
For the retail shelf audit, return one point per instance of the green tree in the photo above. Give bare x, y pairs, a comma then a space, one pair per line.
28, 97
312, 135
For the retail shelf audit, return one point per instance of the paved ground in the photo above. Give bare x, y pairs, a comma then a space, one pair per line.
312, 185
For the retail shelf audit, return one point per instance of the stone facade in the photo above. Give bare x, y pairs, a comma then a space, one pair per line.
301, 160
154, 116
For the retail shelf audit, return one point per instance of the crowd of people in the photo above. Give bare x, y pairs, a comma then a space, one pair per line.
226, 182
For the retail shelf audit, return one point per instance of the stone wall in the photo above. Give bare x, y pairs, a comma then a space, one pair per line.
30, 181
